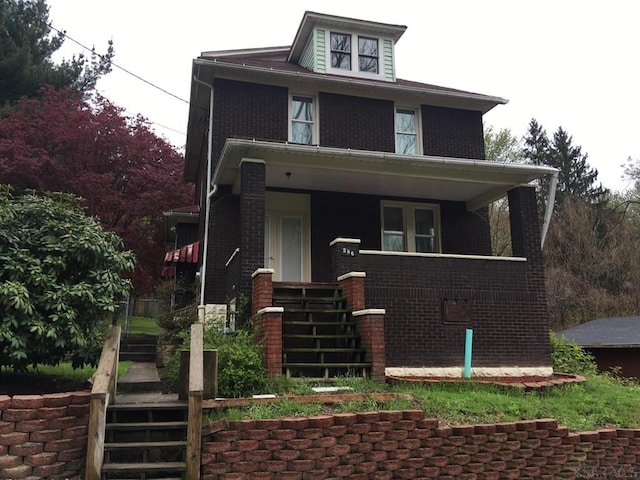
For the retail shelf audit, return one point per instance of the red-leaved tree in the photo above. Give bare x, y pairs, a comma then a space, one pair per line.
127, 174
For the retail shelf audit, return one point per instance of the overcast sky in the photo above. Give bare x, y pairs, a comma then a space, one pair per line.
569, 63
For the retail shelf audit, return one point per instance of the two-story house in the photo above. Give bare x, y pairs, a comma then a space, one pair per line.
346, 210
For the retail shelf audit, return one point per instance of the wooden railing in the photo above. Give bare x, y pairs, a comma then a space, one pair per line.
103, 393
196, 389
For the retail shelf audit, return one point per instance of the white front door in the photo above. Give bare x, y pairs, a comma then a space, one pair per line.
287, 243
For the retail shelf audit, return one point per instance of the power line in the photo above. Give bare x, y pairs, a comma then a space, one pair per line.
64, 34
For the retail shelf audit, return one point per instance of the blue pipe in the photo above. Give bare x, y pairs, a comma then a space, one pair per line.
468, 344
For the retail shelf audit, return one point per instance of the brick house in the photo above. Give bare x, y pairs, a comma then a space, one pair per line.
345, 209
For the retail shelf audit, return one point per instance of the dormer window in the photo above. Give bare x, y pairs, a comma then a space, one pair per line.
343, 57
368, 54
341, 51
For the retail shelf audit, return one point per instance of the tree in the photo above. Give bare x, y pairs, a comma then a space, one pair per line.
128, 175
576, 179
501, 146
26, 47
60, 275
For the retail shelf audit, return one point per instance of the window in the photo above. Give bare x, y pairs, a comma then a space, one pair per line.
368, 54
410, 227
302, 120
407, 131
344, 56
341, 51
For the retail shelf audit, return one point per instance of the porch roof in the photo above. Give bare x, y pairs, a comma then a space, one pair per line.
307, 167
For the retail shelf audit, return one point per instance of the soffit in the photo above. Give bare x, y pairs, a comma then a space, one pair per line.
475, 182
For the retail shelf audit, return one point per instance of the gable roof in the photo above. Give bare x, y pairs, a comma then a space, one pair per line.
611, 332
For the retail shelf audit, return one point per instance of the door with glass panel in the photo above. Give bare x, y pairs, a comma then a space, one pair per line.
287, 237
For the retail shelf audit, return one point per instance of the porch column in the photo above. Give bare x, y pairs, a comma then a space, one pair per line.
525, 227
345, 256
252, 214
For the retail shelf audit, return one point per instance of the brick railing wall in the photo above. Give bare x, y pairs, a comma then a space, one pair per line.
43, 436
406, 445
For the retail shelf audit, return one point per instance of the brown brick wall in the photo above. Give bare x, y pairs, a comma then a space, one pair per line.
356, 122
43, 436
508, 328
450, 132
405, 445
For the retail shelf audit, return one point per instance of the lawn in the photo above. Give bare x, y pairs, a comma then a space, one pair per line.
600, 402
142, 326
49, 379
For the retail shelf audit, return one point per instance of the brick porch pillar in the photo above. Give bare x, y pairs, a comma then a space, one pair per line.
371, 327
345, 256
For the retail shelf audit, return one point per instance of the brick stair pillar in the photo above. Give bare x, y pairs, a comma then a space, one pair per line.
371, 327
267, 320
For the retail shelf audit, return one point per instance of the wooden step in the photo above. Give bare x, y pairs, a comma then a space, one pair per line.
143, 445
144, 467
328, 365
312, 323
324, 350
336, 337
177, 405
145, 425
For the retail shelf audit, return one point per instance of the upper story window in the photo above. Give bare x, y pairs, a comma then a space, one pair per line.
410, 227
407, 131
344, 56
341, 51
302, 128
368, 54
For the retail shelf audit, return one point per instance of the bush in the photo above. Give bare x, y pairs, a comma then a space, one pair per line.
569, 357
240, 369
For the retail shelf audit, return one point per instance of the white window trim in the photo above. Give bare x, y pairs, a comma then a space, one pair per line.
355, 70
315, 135
408, 218
418, 119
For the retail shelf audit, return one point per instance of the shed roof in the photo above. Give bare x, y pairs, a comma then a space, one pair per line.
609, 332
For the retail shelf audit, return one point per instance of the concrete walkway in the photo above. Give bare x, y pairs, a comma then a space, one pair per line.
141, 384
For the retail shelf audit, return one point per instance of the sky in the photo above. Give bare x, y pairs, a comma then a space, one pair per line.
569, 63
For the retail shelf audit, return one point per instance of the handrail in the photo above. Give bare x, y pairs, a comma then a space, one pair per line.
196, 389
103, 392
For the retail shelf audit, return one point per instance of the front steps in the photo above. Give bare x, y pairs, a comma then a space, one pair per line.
145, 441
140, 348
320, 339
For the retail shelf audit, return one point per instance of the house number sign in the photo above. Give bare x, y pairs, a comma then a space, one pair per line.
348, 252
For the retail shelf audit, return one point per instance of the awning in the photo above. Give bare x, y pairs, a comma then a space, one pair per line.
187, 254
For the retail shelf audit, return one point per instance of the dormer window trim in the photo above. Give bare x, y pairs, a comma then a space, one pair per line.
351, 55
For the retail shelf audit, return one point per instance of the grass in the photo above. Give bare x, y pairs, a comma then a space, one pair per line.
143, 326
51, 379
600, 402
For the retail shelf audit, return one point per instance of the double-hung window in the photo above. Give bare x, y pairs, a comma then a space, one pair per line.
302, 115
407, 138
345, 56
410, 227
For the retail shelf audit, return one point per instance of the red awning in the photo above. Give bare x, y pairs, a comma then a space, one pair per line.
187, 254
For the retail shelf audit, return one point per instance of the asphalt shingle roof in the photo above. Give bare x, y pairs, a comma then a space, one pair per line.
606, 332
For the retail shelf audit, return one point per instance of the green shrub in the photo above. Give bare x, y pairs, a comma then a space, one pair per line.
240, 369
569, 357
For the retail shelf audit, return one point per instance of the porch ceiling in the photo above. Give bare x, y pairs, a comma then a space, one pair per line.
292, 166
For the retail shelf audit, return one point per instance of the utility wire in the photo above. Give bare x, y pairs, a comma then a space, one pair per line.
92, 50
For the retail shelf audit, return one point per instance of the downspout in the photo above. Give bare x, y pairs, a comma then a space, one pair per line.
211, 190
549, 211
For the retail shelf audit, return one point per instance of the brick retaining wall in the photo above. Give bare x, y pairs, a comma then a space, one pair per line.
406, 445
43, 436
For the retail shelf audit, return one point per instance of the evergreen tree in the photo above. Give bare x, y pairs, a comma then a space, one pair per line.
26, 46
576, 179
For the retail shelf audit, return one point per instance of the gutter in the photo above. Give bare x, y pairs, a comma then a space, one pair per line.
210, 192
553, 186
